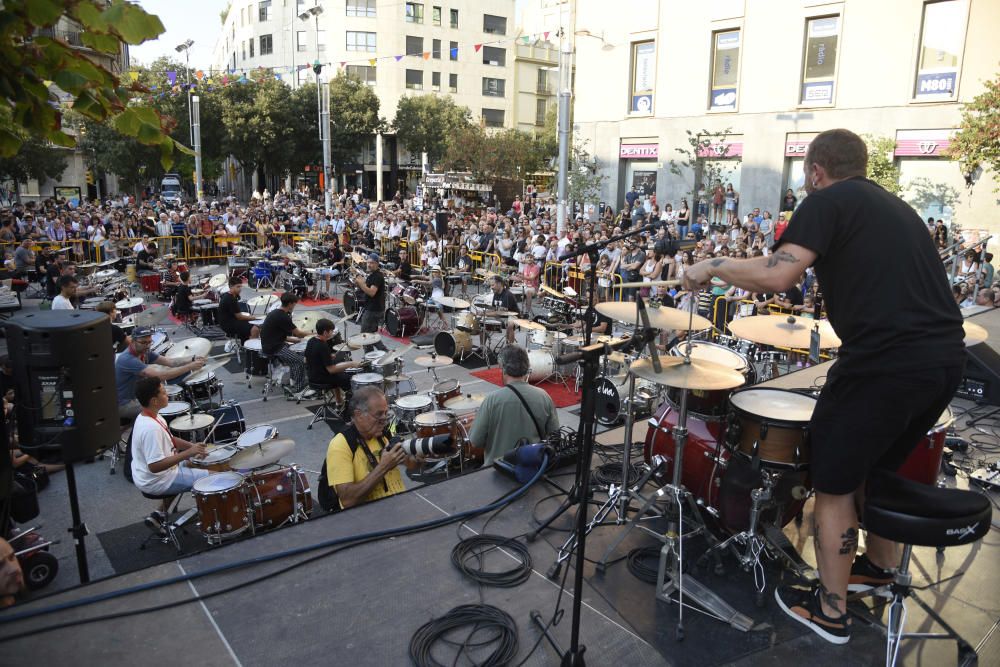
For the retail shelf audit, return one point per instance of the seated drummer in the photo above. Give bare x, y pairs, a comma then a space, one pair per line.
600, 325
405, 270
504, 300
159, 458
277, 328
356, 468
182, 298
321, 367
119, 339
145, 259
138, 361
232, 320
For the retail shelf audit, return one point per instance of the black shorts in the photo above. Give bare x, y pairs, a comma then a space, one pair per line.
240, 329
862, 423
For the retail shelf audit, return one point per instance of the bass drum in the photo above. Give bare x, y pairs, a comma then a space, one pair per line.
714, 477
612, 399
351, 302
541, 364
452, 343
403, 322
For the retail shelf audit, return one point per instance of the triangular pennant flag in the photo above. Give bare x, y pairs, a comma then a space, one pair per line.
343, 63
546, 33
398, 58
527, 39
199, 75
277, 76
427, 55
134, 76
372, 61
477, 47
172, 77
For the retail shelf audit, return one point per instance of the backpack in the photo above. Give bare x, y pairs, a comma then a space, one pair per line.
326, 494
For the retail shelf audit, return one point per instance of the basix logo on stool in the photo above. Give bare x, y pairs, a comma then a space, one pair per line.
962, 533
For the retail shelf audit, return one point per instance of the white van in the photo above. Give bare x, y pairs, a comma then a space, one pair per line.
170, 189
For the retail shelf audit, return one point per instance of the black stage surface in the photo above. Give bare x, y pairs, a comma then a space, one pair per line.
361, 606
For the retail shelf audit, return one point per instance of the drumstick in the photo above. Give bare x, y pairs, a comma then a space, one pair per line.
654, 283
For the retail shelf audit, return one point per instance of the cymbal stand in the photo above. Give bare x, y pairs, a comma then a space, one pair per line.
482, 351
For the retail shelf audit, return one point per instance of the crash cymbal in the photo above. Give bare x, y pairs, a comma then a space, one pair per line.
452, 302
549, 290
306, 320
466, 402
974, 333
528, 324
659, 318
392, 356
129, 303
500, 313
105, 273
345, 347
437, 361
784, 331
363, 339
218, 281
688, 373
262, 454
191, 347
152, 316
397, 378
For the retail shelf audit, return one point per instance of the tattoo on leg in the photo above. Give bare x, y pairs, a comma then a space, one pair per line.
781, 256
832, 600
816, 535
849, 544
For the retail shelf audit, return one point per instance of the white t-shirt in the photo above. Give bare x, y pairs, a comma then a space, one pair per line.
151, 443
61, 303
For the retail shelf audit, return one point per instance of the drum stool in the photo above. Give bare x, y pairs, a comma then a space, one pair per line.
916, 514
328, 409
272, 368
119, 449
234, 344
171, 527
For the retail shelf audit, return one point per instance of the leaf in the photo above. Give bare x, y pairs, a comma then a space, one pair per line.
167, 153
90, 15
131, 23
100, 42
42, 13
9, 142
88, 105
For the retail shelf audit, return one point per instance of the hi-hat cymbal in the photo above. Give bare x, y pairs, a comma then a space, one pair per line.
784, 331
263, 303
452, 302
466, 402
528, 324
499, 313
659, 318
363, 339
688, 373
191, 347
307, 319
427, 361
152, 316
974, 333
392, 356
262, 454
218, 281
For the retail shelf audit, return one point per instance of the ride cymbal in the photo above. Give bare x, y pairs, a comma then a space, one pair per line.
784, 331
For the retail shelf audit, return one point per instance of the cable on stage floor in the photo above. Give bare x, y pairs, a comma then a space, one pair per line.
468, 557
638, 561
500, 629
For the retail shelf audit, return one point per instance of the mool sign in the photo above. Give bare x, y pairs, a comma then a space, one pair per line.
922, 143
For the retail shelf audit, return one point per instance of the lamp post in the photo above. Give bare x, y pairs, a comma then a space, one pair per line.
322, 106
185, 48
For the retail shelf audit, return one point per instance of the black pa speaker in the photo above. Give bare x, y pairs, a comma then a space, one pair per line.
441, 220
981, 379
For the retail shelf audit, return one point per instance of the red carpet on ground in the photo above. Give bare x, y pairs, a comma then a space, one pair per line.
310, 303
561, 396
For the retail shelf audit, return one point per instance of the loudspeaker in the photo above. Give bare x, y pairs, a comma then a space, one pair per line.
64, 383
981, 379
441, 219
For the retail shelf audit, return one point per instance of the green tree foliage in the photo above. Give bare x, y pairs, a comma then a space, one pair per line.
354, 118
34, 158
37, 64
585, 180
133, 163
706, 171
977, 142
428, 122
504, 154
882, 168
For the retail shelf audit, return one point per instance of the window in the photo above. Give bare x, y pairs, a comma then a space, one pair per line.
493, 87
264, 11
266, 45
541, 109
361, 41
452, 50
643, 78
725, 70
321, 40
363, 72
494, 25
251, 48
301, 40
436, 16
414, 12
361, 8
494, 56
820, 60
436, 49
436, 81
414, 46
493, 117
543, 83
302, 76
940, 50
454, 18
415, 79
243, 50
243, 16
453, 83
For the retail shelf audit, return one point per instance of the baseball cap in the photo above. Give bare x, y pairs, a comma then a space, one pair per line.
142, 332
373, 256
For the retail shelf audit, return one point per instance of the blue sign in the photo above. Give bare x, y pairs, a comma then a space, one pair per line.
642, 104
724, 99
817, 92
936, 83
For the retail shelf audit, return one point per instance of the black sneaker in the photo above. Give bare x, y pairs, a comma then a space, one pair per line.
155, 523
865, 576
802, 604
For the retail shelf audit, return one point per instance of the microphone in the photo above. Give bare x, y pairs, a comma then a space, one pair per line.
433, 446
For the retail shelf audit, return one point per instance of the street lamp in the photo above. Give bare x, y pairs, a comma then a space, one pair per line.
185, 48
324, 129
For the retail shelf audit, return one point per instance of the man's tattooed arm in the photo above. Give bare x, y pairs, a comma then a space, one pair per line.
781, 256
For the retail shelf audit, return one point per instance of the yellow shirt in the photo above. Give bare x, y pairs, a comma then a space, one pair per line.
343, 468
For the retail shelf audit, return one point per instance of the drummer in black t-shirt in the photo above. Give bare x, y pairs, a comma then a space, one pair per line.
900, 361
274, 335
405, 270
232, 320
374, 288
504, 299
182, 299
145, 259
320, 364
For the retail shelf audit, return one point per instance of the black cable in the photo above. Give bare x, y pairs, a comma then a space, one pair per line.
468, 558
638, 563
481, 618
611, 473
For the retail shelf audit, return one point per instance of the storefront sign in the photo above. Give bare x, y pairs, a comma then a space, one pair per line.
936, 83
639, 151
722, 149
796, 148
922, 143
434, 180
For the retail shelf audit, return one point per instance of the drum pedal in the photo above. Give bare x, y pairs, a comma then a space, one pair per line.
184, 518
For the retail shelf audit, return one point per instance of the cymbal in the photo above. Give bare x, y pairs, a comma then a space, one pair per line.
687, 373
391, 357
191, 347
427, 361
345, 347
528, 324
499, 313
546, 288
307, 320
397, 378
105, 273
659, 318
974, 333
784, 331
569, 291
466, 402
452, 302
363, 339
129, 303
262, 454
152, 316
218, 281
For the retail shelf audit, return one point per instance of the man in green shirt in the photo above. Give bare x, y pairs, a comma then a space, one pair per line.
503, 419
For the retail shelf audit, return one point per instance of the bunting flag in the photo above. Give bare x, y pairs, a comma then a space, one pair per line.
477, 47
546, 34
398, 58
199, 75
134, 76
372, 61
454, 53
527, 39
427, 55
277, 75
172, 77
342, 64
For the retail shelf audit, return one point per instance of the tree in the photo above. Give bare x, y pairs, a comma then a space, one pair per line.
34, 158
584, 181
881, 167
39, 69
707, 171
133, 163
506, 154
976, 145
427, 122
354, 117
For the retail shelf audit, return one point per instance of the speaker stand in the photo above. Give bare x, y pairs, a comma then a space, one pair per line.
79, 528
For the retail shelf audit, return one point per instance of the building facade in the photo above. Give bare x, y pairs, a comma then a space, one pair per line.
771, 75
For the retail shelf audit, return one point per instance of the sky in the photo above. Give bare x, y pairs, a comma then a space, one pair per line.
183, 20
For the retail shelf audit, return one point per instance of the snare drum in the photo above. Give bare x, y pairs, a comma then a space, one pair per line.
710, 405
202, 386
452, 343
772, 426
444, 390
222, 505
174, 408
276, 495
548, 339
300, 347
541, 364
434, 423
193, 427
216, 460
465, 321
175, 393
373, 356
257, 435
366, 379
255, 363
408, 408
924, 463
